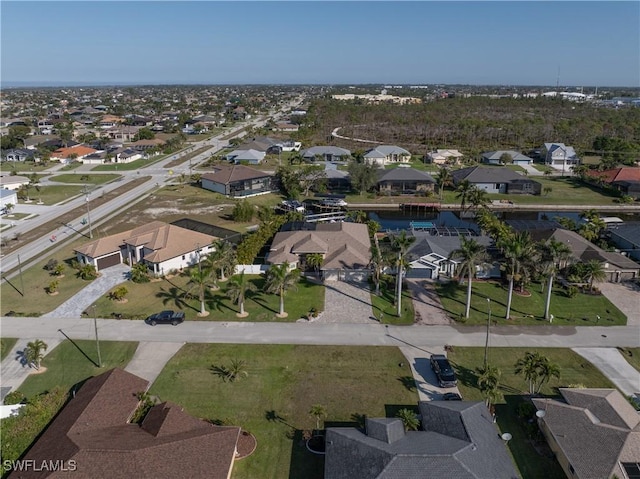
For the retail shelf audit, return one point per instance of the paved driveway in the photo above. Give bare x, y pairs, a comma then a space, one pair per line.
83, 299
426, 302
346, 302
150, 358
614, 366
424, 377
626, 296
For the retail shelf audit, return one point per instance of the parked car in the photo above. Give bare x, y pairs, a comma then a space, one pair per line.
166, 317
444, 371
451, 397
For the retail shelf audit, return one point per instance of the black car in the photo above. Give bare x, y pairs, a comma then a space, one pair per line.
444, 371
166, 317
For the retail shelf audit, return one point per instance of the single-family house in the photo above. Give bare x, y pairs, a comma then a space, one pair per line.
626, 179
502, 157
162, 247
17, 154
262, 144
560, 156
74, 153
237, 181
13, 182
126, 155
444, 157
593, 433
8, 197
326, 153
626, 237
93, 437
345, 248
252, 157
497, 180
383, 155
143, 145
286, 126
617, 267
122, 132
404, 181
109, 121
457, 439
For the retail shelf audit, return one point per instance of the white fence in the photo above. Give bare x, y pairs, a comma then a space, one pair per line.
251, 268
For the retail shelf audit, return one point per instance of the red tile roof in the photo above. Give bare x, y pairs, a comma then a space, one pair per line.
616, 174
79, 151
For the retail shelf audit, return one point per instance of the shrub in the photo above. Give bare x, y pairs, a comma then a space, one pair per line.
14, 397
51, 265
53, 286
571, 292
87, 272
119, 293
140, 273
243, 211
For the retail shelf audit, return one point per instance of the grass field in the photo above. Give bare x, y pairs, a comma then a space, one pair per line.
573, 370
134, 165
273, 402
5, 346
23, 166
147, 298
73, 362
578, 311
385, 304
84, 178
52, 194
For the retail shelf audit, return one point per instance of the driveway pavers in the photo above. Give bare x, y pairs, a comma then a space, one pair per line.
83, 299
426, 302
614, 366
346, 302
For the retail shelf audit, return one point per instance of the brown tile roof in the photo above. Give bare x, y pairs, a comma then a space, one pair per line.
93, 431
79, 150
594, 430
153, 142
345, 245
225, 174
616, 174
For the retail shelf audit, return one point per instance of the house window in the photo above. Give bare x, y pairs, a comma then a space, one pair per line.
497, 186
183, 257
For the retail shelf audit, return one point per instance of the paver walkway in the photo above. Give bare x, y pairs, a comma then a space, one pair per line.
150, 358
14, 370
346, 302
423, 376
626, 297
83, 299
426, 302
614, 366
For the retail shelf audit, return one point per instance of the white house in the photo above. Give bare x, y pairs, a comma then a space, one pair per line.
441, 157
161, 246
250, 156
560, 156
8, 197
13, 182
386, 154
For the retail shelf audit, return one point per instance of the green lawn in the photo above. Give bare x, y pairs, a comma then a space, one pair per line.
5, 346
16, 216
84, 178
53, 194
385, 304
23, 166
73, 362
134, 165
284, 381
574, 370
169, 294
578, 311
632, 355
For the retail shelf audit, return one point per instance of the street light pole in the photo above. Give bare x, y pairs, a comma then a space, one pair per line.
88, 215
95, 326
486, 343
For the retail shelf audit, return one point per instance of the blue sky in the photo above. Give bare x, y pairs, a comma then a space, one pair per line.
519, 43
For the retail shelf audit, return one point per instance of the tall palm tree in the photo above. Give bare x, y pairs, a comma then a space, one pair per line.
443, 179
463, 190
594, 272
279, 280
528, 366
488, 383
546, 370
222, 258
518, 248
477, 197
401, 244
199, 276
237, 290
314, 261
319, 412
470, 254
34, 352
552, 254
378, 264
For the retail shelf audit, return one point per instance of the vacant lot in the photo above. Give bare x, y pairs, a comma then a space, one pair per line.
84, 178
533, 462
579, 311
273, 401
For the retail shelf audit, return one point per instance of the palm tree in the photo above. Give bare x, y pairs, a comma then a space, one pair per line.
488, 383
552, 254
34, 352
401, 244
463, 189
314, 261
546, 370
471, 254
279, 280
477, 197
199, 277
594, 272
443, 179
517, 248
378, 264
528, 366
222, 258
236, 370
409, 419
237, 290
319, 412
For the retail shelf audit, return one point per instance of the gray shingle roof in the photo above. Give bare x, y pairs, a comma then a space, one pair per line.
628, 231
404, 174
478, 174
496, 155
382, 151
325, 150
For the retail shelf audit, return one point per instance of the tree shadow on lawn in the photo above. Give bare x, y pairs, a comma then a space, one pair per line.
467, 377
408, 382
176, 296
304, 464
260, 302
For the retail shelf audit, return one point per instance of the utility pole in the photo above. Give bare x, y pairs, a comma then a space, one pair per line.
486, 343
95, 326
88, 213
21, 280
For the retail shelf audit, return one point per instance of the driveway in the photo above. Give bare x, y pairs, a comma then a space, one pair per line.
615, 367
426, 302
346, 302
424, 377
531, 171
626, 297
83, 299
150, 358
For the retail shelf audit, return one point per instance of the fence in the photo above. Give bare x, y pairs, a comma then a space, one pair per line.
251, 268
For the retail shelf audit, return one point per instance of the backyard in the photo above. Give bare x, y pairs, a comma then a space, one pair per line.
284, 381
527, 310
533, 459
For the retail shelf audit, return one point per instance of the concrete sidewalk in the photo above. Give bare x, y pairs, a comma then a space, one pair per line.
150, 358
14, 370
614, 366
83, 299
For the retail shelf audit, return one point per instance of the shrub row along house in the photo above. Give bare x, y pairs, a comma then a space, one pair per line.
161, 246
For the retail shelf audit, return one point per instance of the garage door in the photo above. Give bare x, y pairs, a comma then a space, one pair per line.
424, 273
111, 260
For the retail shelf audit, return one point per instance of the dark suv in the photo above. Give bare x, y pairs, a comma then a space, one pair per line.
166, 317
444, 371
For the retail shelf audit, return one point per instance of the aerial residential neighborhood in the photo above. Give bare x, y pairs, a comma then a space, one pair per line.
319, 254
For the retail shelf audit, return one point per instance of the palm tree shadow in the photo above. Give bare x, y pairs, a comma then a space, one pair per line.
176, 296
260, 302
